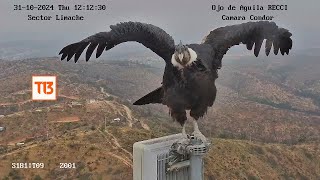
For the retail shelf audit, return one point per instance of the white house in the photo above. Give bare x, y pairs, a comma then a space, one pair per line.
116, 120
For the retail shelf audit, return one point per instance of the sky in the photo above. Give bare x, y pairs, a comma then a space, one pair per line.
186, 20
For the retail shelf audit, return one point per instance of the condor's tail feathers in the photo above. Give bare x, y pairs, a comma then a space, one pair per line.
151, 98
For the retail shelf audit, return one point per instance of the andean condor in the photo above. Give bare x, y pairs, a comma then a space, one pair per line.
191, 70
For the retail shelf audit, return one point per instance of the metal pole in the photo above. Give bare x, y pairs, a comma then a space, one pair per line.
196, 167
194, 150
198, 149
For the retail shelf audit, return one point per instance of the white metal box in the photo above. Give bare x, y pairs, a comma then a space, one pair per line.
150, 158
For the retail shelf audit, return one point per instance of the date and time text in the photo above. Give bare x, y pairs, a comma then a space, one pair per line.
48, 8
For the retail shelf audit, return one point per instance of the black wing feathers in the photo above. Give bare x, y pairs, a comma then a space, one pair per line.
251, 33
268, 46
149, 35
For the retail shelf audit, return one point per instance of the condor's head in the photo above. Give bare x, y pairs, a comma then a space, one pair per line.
183, 56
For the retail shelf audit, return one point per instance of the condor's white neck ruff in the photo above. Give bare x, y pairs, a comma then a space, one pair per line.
193, 58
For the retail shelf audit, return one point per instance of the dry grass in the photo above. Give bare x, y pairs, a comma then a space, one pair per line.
237, 159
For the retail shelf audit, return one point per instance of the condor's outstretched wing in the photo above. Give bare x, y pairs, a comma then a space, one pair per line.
251, 33
149, 35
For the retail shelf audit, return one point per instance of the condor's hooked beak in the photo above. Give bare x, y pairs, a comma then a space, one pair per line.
180, 55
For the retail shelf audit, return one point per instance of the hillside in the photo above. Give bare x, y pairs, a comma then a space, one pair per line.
99, 158
253, 96
272, 108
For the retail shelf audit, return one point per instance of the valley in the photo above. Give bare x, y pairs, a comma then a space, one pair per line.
265, 123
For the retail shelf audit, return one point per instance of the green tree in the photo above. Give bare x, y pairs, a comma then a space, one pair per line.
37, 177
